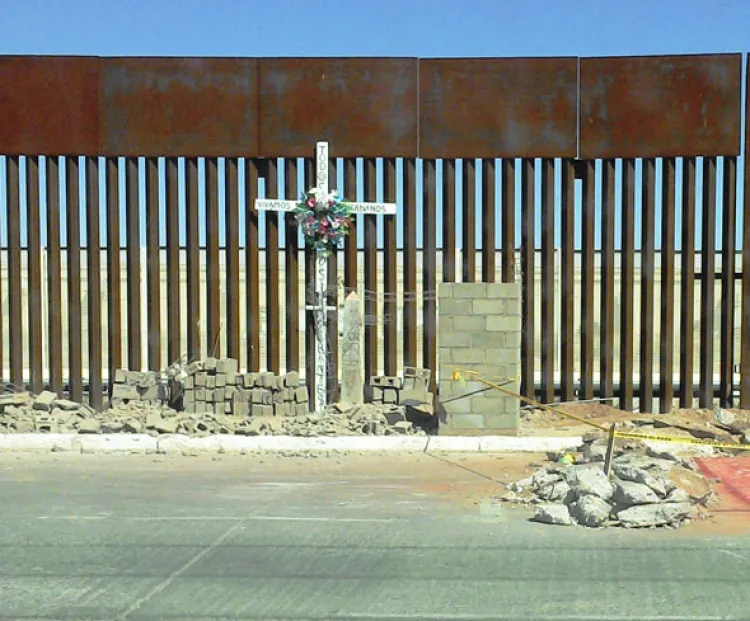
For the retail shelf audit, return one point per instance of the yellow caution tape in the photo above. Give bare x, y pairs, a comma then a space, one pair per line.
652, 438
458, 375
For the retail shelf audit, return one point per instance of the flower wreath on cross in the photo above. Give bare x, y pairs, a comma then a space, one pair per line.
325, 219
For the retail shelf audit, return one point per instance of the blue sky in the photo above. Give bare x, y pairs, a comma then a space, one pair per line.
425, 28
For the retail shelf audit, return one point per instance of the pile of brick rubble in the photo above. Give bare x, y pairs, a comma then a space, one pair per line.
643, 490
212, 397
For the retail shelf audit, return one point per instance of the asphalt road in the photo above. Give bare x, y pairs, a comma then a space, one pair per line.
144, 538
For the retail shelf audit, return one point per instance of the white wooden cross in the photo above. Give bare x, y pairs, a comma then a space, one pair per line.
321, 270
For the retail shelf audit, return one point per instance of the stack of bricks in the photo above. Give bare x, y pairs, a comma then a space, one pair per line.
480, 331
146, 387
413, 390
215, 386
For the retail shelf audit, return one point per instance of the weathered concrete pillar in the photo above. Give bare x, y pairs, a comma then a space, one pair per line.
352, 385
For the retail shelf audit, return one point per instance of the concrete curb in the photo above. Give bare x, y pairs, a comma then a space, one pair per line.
176, 444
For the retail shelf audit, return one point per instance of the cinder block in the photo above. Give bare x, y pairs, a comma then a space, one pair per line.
455, 307
155, 392
445, 322
224, 365
445, 289
282, 409
470, 290
209, 364
189, 383
504, 355
507, 323
504, 290
211, 382
288, 394
390, 396
513, 307
385, 381
219, 395
487, 406
277, 396
301, 394
488, 306
188, 397
220, 380
192, 368
126, 392
502, 422
260, 396
467, 356
376, 394
291, 380
220, 408
488, 339
266, 380
301, 409
210, 395
121, 376
200, 379
466, 421
200, 395
469, 323
263, 410
249, 380
134, 377
512, 339
231, 378
454, 339
189, 408
240, 408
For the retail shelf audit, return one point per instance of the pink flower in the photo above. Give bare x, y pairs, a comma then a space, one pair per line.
311, 203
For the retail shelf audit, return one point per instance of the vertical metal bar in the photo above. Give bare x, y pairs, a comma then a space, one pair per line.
54, 276
34, 263
133, 263
627, 286
469, 208
171, 192
587, 281
410, 263
273, 221
291, 256
727, 280
232, 227
332, 301
548, 281
449, 220
371, 275
310, 315
509, 220
351, 275
193, 260
607, 337
429, 266
74, 279
488, 220
93, 268
708, 269
153, 264
645, 395
567, 274
114, 276
687, 284
528, 222
666, 349
390, 309
213, 282
14, 272
252, 266
745, 359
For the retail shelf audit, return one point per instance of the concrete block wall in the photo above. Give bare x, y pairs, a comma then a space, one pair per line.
479, 329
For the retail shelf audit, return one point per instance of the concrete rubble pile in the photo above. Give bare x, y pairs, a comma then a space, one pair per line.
200, 399
641, 492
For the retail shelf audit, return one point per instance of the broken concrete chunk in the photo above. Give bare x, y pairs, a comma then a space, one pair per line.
89, 426
45, 400
553, 514
402, 426
588, 480
14, 399
657, 483
590, 511
67, 405
663, 514
628, 494
558, 491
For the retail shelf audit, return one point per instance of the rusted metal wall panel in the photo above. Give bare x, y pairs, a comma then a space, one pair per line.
49, 105
660, 106
179, 106
499, 107
364, 107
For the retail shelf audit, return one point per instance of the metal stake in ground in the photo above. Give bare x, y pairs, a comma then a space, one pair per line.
320, 307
